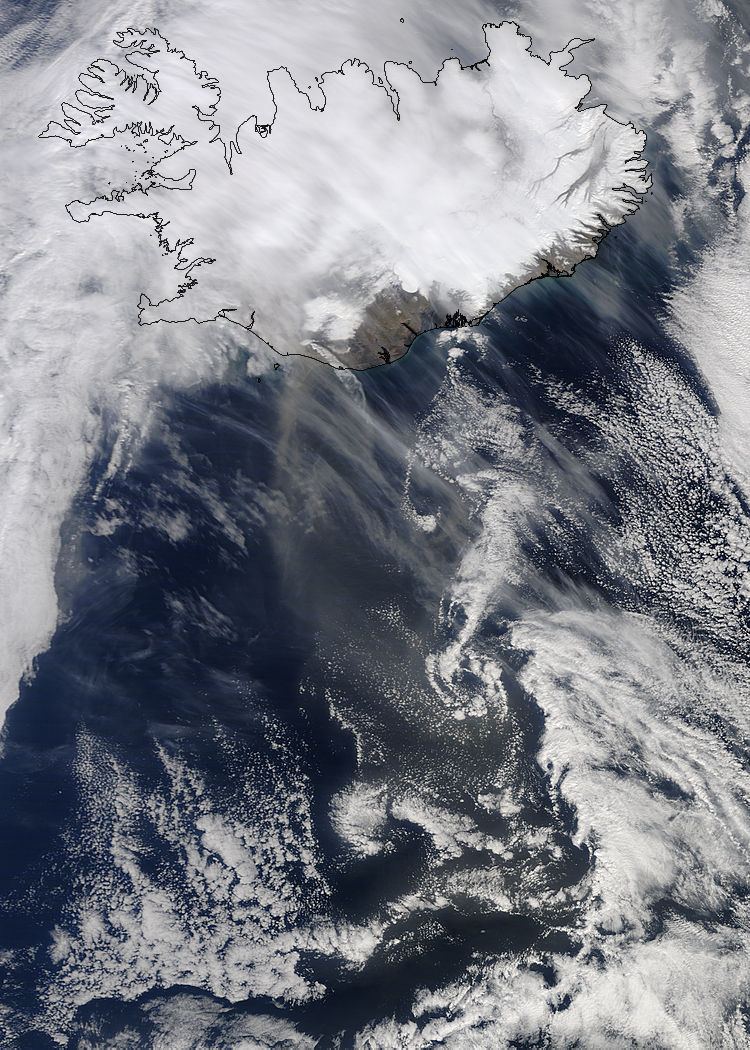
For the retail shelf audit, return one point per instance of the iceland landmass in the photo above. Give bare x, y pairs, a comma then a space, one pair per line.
370, 209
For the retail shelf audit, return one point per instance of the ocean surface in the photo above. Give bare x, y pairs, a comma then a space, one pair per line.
402, 708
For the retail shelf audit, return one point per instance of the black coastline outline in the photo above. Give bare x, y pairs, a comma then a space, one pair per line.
94, 106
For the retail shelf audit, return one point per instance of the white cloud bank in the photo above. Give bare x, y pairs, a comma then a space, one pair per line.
370, 206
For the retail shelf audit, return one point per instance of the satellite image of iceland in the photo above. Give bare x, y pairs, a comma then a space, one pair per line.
375, 525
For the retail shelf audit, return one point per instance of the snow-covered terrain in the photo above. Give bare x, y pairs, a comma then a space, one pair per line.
371, 207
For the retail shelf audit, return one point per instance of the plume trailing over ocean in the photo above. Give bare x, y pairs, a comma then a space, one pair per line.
378, 706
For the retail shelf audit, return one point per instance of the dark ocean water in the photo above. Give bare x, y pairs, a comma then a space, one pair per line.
251, 610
